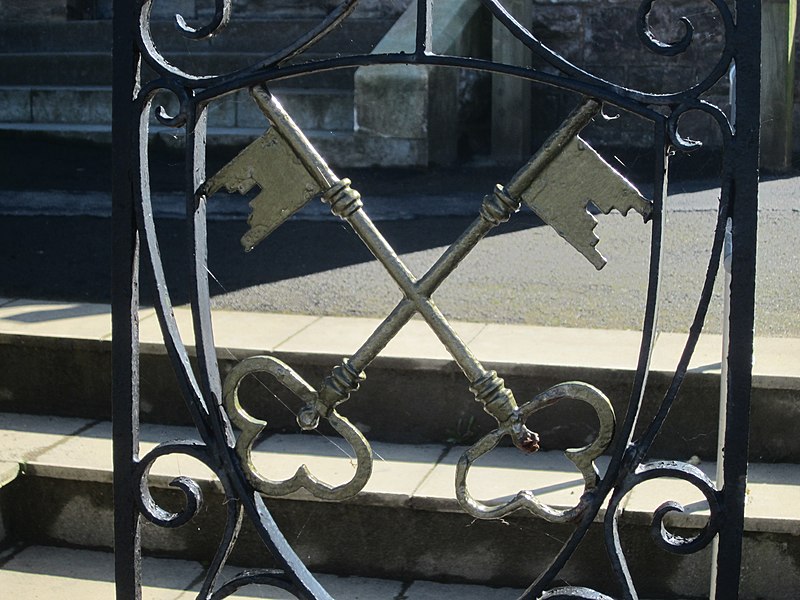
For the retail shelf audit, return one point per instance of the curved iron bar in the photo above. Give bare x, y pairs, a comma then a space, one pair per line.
535, 45
210, 382
305, 585
725, 125
161, 65
663, 538
208, 417
235, 506
265, 69
184, 103
652, 43
311, 37
253, 577
194, 497
643, 445
233, 525
568, 593
222, 15
591, 90
302, 582
176, 350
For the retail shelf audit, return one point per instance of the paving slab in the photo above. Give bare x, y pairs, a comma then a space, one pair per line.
360, 588
332, 335
773, 498
150, 328
88, 457
397, 469
25, 437
56, 319
344, 336
524, 344
259, 332
43, 573
513, 346
428, 590
418, 340
706, 358
8, 472
777, 362
341, 588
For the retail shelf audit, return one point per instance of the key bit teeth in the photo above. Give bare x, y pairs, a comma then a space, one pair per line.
561, 194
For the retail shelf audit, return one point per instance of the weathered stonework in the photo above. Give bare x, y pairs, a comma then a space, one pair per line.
600, 37
439, 114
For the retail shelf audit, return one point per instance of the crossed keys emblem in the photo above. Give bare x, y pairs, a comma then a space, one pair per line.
290, 172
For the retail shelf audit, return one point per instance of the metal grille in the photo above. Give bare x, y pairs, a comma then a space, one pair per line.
227, 431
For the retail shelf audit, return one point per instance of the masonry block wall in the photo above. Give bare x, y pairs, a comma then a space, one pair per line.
600, 36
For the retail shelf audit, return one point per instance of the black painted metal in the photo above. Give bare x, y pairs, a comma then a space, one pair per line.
125, 303
741, 168
629, 465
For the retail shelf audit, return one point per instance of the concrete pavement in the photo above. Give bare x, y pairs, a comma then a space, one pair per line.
523, 273
42, 573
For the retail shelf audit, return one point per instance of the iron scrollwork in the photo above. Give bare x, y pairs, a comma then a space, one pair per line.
214, 405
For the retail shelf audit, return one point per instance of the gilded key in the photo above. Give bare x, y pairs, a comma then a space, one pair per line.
285, 183
562, 191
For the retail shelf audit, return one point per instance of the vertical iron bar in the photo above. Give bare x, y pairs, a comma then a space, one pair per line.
125, 304
210, 382
726, 311
744, 215
424, 36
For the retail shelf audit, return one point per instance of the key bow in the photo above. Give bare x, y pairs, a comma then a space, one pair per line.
252, 427
583, 458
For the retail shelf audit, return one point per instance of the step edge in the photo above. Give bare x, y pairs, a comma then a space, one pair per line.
759, 486
432, 362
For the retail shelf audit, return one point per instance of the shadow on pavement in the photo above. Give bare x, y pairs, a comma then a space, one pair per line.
69, 258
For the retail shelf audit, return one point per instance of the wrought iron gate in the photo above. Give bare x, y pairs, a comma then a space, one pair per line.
227, 431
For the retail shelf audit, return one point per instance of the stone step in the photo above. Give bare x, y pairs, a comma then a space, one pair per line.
79, 52
314, 109
414, 392
258, 9
405, 525
354, 36
94, 68
340, 148
35, 572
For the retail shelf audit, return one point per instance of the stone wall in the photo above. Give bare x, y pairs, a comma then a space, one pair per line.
596, 35
59, 10
600, 37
